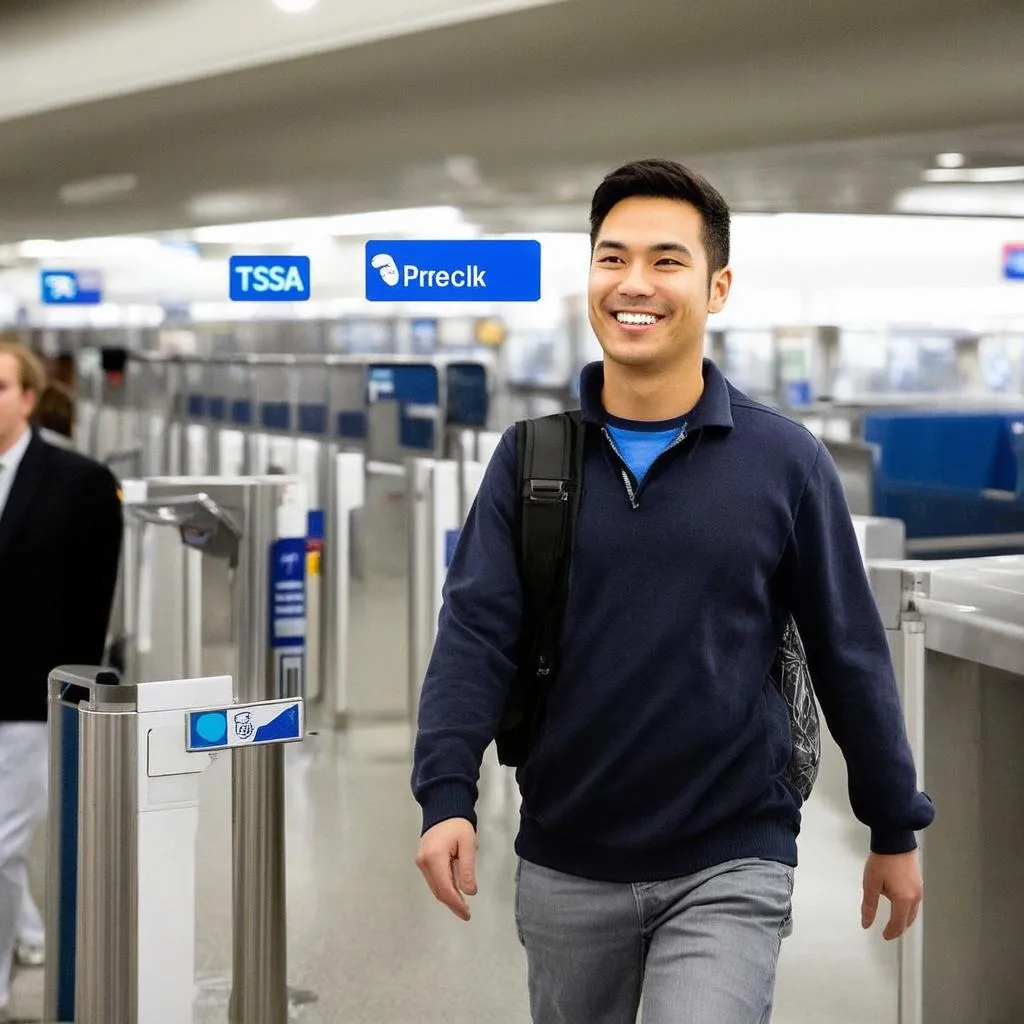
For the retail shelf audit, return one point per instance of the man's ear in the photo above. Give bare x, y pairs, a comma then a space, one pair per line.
721, 283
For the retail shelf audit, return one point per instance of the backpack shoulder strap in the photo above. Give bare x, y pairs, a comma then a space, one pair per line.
549, 482
549, 472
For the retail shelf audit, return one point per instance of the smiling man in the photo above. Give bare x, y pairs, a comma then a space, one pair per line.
658, 832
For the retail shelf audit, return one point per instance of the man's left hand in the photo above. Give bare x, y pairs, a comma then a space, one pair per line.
897, 877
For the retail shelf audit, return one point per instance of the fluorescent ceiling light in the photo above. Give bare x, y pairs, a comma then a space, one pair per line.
961, 201
295, 6
97, 190
217, 207
413, 221
88, 248
971, 175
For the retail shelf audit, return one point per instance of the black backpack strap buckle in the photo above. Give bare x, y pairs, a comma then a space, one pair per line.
546, 490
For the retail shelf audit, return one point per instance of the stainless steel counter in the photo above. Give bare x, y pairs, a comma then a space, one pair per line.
957, 633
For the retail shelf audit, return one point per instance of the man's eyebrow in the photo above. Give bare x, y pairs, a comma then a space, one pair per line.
657, 247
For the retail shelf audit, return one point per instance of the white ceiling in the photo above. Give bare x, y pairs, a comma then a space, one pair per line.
787, 105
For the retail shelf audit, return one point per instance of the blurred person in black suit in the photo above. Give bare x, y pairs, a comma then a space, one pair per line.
60, 545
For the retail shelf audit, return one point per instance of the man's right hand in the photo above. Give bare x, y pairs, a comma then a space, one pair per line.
447, 858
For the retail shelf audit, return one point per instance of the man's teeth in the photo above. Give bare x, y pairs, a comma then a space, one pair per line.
637, 319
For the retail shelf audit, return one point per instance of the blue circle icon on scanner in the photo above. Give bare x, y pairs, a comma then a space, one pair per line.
212, 727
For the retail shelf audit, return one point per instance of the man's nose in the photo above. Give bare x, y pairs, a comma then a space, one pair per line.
636, 282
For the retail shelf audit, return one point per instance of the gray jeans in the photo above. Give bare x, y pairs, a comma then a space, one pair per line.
696, 950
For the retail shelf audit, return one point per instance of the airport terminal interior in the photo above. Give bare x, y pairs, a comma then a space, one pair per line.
201, 203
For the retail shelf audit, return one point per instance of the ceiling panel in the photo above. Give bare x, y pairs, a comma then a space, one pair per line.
792, 105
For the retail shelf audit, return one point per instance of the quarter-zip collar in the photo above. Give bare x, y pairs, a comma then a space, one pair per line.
634, 487
713, 408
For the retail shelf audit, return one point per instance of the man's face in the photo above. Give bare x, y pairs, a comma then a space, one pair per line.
15, 404
649, 291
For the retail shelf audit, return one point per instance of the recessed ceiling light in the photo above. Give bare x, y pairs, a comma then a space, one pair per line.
962, 201
984, 175
295, 6
218, 206
98, 190
950, 160
406, 221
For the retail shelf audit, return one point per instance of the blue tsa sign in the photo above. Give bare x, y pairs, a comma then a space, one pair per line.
1013, 261
269, 278
487, 270
244, 725
71, 288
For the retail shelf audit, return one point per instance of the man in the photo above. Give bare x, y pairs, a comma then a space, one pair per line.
60, 543
657, 840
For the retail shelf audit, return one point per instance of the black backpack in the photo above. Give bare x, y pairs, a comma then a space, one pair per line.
549, 482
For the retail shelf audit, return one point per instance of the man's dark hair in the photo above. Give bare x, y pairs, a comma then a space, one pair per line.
665, 179
55, 409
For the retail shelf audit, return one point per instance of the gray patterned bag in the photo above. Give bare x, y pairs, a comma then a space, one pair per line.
792, 677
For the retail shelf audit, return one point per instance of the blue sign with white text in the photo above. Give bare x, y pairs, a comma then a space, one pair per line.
71, 287
269, 278
287, 639
288, 592
476, 270
1013, 262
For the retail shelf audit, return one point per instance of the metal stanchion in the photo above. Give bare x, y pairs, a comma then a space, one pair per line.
259, 990
346, 494
258, 525
420, 603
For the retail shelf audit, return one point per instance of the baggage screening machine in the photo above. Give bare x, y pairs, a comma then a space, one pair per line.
219, 612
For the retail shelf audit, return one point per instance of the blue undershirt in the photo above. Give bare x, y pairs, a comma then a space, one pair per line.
640, 442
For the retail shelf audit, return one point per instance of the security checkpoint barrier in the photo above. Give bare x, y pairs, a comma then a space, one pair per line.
218, 588
126, 761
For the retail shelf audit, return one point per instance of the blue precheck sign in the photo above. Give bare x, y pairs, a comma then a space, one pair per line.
477, 270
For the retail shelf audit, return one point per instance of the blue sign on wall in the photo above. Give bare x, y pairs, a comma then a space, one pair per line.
467, 394
1013, 261
477, 270
287, 633
71, 287
269, 278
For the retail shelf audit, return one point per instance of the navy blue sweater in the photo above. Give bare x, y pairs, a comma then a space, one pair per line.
666, 745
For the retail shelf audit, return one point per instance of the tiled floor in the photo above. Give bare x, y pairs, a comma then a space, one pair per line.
367, 938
